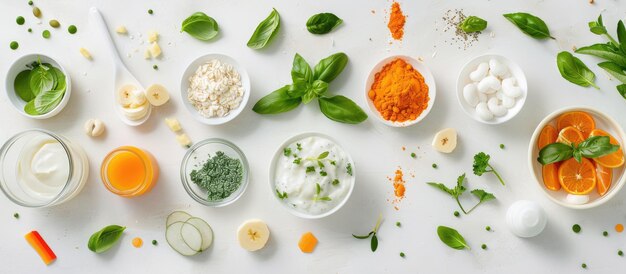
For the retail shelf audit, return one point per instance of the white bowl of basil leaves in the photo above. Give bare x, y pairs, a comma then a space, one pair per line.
38, 86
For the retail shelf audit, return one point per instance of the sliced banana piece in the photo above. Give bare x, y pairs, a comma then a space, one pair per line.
124, 95
157, 95
253, 235
136, 113
137, 98
94, 127
445, 140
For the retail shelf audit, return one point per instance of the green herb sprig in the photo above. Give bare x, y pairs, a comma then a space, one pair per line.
282, 195
308, 84
317, 197
459, 189
481, 166
452, 238
104, 239
593, 147
372, 234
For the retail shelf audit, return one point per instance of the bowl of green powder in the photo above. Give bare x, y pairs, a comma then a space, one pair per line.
214, 172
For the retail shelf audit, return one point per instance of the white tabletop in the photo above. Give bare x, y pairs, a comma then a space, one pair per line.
376, 148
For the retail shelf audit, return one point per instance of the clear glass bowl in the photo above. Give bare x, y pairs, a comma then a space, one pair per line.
13, 184
197, 155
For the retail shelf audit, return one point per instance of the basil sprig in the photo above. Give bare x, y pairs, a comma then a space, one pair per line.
200, 26
593, 147
529, 24
574, 70
473, 24
265, 31
451, 238
309, 84
104, 239
459, 189
323, 23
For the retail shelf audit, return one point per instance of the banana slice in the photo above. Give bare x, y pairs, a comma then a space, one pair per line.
137, 99
445, 140
136, 113
124, 94
253, 235
157, 95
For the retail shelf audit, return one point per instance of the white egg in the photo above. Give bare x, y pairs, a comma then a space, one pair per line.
496, 108
470, 93
497, 69
577, 199
489, 85
480, 72
508, 102
483, 111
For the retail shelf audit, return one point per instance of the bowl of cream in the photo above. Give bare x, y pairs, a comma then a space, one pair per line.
311, 175
40, 169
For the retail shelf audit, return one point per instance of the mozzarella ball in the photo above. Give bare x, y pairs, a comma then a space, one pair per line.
496, 108
489, 85
508, 102
470, 93
483, 111
480, 72
497, 69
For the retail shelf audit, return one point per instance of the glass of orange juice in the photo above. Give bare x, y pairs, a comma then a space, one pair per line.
129, 171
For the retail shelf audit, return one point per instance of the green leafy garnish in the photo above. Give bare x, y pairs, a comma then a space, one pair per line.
298, 146
473, 24
297, 161
278, 101
458, 190
372, 234
529, 24
310, 169
104, 239
451, 238
349, 169
282, 195
287, 151
200, 26
265, 31
335, 182
322, 23
481, 166
323, 173
592, 147
317, 197
574, 70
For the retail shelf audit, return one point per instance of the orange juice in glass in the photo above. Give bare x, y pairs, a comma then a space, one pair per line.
129, 171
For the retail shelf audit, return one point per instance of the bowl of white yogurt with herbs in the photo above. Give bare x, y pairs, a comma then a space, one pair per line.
311, 175
215, 89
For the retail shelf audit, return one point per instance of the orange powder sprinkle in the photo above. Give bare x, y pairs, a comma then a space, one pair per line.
619, 228
398, 187
396, 21
137, 242
399, 92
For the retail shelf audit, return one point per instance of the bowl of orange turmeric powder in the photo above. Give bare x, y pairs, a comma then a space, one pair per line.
400, 91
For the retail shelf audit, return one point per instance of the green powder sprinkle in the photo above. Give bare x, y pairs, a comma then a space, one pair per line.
220, 176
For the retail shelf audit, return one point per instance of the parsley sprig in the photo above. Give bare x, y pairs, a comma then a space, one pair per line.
482, 166
458, 190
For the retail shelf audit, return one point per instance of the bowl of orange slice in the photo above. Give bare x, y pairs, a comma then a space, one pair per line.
577, 158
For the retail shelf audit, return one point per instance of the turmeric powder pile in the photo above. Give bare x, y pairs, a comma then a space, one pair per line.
399, 92
396, 21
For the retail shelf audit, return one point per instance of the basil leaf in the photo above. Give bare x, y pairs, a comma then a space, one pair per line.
364, 236
323, 155
443, 188
322, 23
48, 100
41, 79
342, 109
621, 33
473, 24
301, 70
22, 86
622, 90
482, 195
104, 239
330, 67
265, 31
532, 25
276, 102
615, 70
597, 27
29, 108
61, 83
451, 238
597, 146
299, 88
374, 243
319, 87
574, 70
200, 26
604, 51
555, 152
577, 155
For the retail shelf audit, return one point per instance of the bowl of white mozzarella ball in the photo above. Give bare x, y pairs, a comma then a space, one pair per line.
492, 89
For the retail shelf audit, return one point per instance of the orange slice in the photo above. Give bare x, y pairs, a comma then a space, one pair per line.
577, 119
605, 176
570, 135
613, 160
577, 178
547, 136
549, 172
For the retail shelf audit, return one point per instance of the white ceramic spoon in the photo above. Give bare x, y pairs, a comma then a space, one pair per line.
122, 75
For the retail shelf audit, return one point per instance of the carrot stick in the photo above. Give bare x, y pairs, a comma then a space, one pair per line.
42, 248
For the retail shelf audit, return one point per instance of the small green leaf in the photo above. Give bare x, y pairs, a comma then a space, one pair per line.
615, 70
104, 239
48, 100
341, 109
364, 236
596, 146
574, 70
482, 195
622, 90
265, 31
322, 23
604, 51
200, 26
597, 27
443, 188
529, 24
318, 188
41, 79
278, 101
330, 67
473, 24
22, 86
451, 238
323, 155
319, 88
374, 243
554, 153
301, 70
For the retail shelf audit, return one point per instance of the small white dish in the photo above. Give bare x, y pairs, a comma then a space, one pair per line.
603, 122
272, 175
191, 69
18, 66
464, 79
428, 79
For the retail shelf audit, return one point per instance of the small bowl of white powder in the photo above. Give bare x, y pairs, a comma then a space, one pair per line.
215, 88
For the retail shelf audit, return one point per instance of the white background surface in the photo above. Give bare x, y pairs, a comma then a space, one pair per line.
375, 148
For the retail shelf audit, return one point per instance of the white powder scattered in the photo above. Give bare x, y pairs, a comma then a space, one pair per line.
215, 89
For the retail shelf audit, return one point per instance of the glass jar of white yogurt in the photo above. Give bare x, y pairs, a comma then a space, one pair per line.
41, 169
